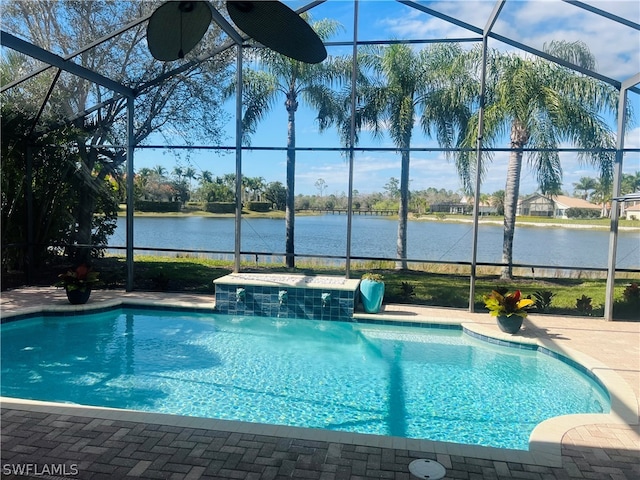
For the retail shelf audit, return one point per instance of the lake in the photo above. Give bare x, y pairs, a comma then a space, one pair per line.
375, 237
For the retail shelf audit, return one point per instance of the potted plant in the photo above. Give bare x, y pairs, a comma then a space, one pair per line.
372, 292
508, 308
78, 283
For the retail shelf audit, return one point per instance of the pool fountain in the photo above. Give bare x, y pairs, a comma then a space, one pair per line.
287, 296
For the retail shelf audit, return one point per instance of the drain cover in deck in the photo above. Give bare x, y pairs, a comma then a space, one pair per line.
427, 469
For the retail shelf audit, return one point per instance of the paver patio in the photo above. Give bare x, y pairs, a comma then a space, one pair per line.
66, 441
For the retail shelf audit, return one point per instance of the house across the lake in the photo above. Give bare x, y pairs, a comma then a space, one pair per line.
464, 207
632, 212
556, 206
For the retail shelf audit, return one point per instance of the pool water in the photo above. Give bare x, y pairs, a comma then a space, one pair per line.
430, 383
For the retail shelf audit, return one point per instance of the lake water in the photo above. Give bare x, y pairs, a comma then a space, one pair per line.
375, 237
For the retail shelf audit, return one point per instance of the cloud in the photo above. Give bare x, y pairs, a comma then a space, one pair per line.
534, 23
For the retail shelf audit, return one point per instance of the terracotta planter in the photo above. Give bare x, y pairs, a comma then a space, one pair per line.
78, 297
510, 324
371, 293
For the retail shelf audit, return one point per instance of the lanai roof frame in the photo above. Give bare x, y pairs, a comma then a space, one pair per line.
624, 85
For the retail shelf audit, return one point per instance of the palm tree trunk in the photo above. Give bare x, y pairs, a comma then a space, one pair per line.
401, 246
292, 106
519, 138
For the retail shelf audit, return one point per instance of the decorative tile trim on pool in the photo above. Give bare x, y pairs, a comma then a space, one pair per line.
544, 444
543, 350
286, 296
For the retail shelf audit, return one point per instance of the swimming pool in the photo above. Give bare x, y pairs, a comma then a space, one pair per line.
433, 383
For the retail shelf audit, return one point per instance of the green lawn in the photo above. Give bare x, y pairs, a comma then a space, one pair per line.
191, 274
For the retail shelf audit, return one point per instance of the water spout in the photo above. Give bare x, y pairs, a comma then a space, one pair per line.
240, 294
326, 299
283, 296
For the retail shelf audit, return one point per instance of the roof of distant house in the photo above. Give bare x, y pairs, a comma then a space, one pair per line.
563, 201
573, 202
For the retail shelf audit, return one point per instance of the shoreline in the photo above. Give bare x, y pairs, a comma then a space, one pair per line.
525, 223
422, 218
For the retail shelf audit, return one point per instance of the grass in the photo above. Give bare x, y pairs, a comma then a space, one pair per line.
434, 285
443, 289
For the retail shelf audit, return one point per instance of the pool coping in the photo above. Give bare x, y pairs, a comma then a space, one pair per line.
293, 280
545, 442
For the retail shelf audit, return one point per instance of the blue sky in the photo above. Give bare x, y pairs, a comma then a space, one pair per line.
615, 47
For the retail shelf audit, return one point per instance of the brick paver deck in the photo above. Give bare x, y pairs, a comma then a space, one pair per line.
87, 448
56, 442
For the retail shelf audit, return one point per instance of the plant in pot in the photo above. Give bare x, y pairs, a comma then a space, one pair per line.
78, 283
510, 309
372, 292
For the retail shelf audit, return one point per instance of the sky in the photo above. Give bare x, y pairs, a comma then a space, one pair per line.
616, 48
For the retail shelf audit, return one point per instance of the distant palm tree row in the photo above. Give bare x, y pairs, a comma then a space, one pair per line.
534, 103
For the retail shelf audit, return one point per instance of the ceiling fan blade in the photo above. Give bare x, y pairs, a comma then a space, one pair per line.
276, 26
176, 27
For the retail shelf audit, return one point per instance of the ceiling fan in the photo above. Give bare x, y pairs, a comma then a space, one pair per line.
177, 26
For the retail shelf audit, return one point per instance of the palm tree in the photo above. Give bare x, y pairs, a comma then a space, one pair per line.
206, 177
190, 174
585, 185
160, 170
497, 200
630, 182
602, 195
255, 186
432, 84
541, 104
282, 76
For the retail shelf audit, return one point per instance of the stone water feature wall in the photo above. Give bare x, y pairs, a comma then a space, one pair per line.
286, 296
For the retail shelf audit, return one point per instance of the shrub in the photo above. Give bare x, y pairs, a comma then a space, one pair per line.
259, 206
149, 206
582, 213
374, 277
543, 300
220, 207
407, 291
631, 293
583, 304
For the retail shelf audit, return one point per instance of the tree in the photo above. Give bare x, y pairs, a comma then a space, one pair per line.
276, 193
497, 200
206, 177
630, 183
321, 185
541, 104
602, 195
392, 187
585, 185
254, 186
281, 75
160, 171
217, 191
187, 105
432, 84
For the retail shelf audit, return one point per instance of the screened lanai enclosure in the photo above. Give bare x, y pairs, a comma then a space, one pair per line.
256, 106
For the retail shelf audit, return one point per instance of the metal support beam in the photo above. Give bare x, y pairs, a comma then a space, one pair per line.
28, 197
352, 136
615, 202
225, 25
86, 48
476, 202
43, 55
442, 16
238, 239
605, 14
130, 205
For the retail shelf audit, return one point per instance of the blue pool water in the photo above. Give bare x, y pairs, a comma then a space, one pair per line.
431, 383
